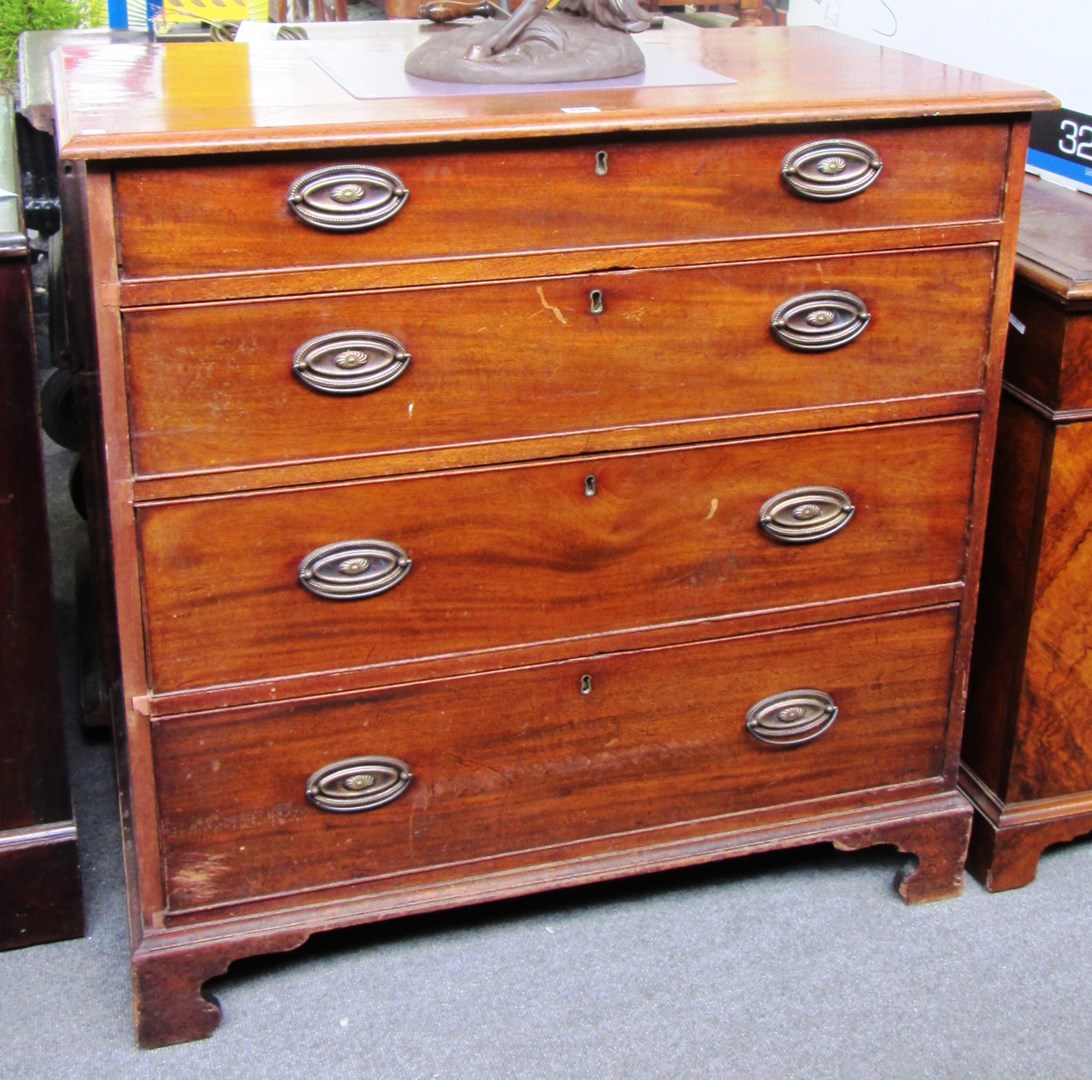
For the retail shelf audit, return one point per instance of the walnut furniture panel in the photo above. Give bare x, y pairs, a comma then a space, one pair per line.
1027, 762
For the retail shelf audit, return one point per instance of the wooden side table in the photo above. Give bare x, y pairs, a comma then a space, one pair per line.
1027, 757
40, 896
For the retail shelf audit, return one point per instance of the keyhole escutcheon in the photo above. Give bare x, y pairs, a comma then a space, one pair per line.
596, 303
601, 163
585, 685
591, 487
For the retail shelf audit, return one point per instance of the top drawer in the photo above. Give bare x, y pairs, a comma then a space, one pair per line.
238, 215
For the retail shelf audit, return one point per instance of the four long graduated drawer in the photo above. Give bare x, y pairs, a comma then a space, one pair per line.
406, 369
633, 731
675, 189
506, 557
516, 489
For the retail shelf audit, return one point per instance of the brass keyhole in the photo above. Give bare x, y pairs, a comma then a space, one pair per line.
591, 486
585, 684
601, 163
595, 302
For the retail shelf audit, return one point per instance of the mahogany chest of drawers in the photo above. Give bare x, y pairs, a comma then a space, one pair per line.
515, 489
1027, 760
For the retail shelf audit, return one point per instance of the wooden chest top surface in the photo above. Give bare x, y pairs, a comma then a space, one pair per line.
1055, 247
137, 100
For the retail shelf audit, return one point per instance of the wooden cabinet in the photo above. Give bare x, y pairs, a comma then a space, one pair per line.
40, 893
515, 489
1028, 755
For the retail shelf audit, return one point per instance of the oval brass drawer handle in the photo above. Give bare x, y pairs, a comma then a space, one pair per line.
354, 569
350, 361
801, 515
817, 321
831, 168
358, 784
344, 198
791, 718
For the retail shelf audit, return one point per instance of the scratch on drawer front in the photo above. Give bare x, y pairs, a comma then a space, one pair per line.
550, 307
713, 504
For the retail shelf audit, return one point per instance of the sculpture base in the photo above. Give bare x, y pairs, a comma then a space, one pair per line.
556, 47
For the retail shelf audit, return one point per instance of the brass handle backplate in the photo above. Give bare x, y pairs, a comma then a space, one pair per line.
356, 784
350, 361
354, 569
819, 321
802, 515
791, 718
831, 169
345, 198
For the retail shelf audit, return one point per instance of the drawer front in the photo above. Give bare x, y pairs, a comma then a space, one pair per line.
545, 552
532, 759
479, 200
593, 352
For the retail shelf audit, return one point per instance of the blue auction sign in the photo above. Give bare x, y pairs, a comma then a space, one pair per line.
1061, 144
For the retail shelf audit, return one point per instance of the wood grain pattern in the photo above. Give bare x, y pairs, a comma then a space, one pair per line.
509, 556
1028, 749
658, 740
1008, 575
481, 352
234, 215
1054, 257
1054, 754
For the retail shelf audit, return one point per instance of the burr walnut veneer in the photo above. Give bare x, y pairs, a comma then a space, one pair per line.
1027, 760
520, 488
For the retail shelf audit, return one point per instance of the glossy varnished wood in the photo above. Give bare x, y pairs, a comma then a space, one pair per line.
479, 352
510, 556
235, 217
651, 741
522, 577
132, 101
1028, 749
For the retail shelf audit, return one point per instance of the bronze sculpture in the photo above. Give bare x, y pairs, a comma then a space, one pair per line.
540, 43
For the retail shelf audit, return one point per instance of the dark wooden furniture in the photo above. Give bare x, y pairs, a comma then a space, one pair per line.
40, 895
1027, 762
618, 512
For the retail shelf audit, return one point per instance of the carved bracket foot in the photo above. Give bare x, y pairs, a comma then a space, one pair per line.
1007, 856
938, 840
167, 999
